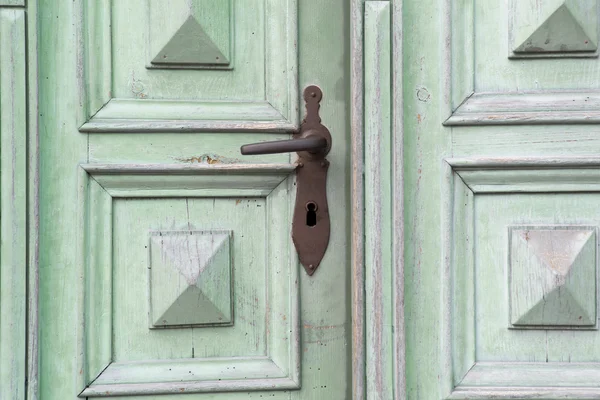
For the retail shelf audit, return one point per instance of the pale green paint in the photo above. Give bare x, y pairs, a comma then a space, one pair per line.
426, 144
555, 28
482, 334
460, 341
93, 290
13, 187
266, 39
12, 3
190, 45
378, 226
562, 263
200, 263
135, 195
561, 32
184, 148
32, 209
496, 71
211, 34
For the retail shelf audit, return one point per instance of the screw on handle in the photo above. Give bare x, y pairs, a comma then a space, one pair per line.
313, 145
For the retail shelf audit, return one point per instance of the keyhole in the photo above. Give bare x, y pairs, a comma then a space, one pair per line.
311, 214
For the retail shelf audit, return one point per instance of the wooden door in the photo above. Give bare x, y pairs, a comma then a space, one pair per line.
495, 109
166, 265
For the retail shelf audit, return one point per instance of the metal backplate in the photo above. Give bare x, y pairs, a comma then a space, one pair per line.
311, 225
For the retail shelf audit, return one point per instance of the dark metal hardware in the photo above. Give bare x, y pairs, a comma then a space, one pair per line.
311, 144
311, 225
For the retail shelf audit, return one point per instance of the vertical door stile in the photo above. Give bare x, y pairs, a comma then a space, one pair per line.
13, 211
378, 201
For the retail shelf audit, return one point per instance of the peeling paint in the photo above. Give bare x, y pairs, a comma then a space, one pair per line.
209, 159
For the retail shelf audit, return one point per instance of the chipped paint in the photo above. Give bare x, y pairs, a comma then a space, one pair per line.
210, 159
423, 94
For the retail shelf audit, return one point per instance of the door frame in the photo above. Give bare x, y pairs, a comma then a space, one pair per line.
378, 338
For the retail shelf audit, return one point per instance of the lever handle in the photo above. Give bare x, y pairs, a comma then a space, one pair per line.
310, 224
314, 145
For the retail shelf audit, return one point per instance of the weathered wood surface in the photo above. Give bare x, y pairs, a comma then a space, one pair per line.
398, 193
320, 361
12, 3
357, 202
378, 197
259, 92
13, 203
381, 319
33, 170
518, 155
543, 108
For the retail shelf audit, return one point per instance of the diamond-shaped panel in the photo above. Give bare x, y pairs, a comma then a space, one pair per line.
190, 278
190, 45
553, 276
569, 26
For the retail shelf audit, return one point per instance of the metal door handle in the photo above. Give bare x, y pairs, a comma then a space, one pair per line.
314, 145
311, 225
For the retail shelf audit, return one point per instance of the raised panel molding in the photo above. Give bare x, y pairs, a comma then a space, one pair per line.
203, 40
102, 185
378, 342
470, 107
466, 377
12, 3
13, 203
558, 28
276, 110
190, 279
552, 275
534, 108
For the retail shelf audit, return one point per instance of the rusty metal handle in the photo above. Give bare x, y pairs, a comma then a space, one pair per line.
311, 223
313, 145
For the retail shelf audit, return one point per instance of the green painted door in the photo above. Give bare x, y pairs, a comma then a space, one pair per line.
501, 144
166, 264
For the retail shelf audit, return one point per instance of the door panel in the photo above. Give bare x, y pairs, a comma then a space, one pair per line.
13, 188
167, 265
178, 250
153, 51
502, 175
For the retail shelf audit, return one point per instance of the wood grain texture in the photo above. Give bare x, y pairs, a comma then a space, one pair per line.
357, 202
200, 39
529, 175
461, 54
190, 280
12, 3
118, 116
273, 65
33, 170
320, 354
428, 69
13, 204
470, 333
567, 30
182, 376
503, 92
552, 277
455, 62
96, 299
102, 265
528, 108
378, 212
530, 381
220, 180
397, 183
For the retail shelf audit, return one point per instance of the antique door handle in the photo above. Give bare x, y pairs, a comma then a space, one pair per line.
313, 145
311, 225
